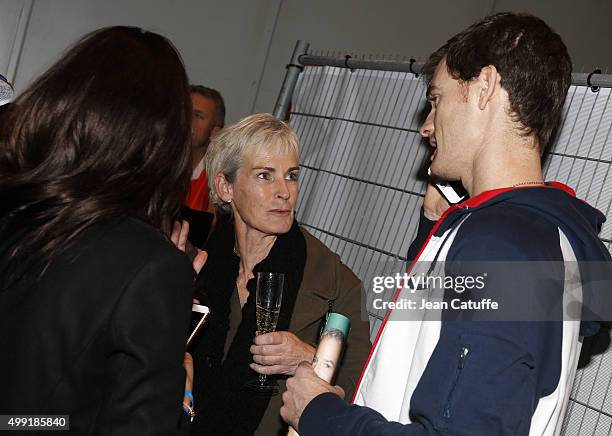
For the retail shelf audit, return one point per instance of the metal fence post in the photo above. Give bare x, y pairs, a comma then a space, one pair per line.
294, 68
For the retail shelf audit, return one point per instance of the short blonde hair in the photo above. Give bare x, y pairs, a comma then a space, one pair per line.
227, 148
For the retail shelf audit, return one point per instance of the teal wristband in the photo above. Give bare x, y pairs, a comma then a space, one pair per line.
189, 395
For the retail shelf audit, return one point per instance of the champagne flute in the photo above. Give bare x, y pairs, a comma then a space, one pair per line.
268, 297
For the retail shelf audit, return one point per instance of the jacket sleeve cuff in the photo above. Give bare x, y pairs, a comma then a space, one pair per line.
317, 413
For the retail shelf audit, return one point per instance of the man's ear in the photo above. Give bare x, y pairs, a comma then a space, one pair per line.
488, 84
224, 188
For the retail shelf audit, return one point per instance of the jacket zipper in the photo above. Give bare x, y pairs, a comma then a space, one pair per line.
464, 351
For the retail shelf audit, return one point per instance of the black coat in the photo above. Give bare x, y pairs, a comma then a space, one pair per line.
101, 336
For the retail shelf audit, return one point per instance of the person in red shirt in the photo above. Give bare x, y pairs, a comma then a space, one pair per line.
208, 119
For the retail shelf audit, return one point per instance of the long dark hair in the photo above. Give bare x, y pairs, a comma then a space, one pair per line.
103, 133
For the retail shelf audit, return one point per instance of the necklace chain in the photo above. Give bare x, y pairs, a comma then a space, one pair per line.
527, 183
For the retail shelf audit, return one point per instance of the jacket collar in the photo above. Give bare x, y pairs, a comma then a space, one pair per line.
488, 198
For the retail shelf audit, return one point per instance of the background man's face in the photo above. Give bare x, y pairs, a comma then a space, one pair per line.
203, 122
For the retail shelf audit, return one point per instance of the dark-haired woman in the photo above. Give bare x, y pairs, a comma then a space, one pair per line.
94, 299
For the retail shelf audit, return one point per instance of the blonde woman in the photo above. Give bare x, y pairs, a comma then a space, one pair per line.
253, 172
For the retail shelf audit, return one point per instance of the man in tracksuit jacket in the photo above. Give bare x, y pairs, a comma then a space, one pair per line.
496, 92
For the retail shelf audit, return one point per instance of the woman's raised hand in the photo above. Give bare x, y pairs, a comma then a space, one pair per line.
180, 231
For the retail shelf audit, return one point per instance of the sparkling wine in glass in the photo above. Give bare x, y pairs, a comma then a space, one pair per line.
268, 297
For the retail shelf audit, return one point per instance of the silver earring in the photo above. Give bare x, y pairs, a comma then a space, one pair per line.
229, 201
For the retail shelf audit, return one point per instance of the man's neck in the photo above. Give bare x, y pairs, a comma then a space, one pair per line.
197, 155
507, 164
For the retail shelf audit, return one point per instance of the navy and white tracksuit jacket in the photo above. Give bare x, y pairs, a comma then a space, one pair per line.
477, 377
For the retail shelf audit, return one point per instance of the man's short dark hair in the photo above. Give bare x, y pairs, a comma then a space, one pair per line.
531, 58
215, 96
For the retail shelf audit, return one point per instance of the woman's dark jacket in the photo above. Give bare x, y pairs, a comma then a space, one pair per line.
101, 335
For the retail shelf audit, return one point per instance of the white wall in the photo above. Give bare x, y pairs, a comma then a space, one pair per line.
13, 14
241, 47
391, 27
414, 28
585, 26
221, 42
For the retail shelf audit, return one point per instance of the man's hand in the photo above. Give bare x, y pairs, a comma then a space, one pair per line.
434, 204
180, 231
279, 353
302, 388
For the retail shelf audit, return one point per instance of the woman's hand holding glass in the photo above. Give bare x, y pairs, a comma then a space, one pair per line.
279, 353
